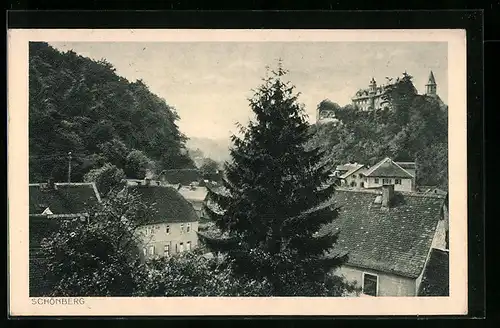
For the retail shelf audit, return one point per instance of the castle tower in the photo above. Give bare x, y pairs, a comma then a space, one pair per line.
431, 86
373, 85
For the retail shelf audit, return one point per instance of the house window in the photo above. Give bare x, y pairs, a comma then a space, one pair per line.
188, 227
376, 180
386, 181
353, 184
370, 284
181, 247
397, 181
188, 246
182, 228
354, 176
166, 250
167, 229
151, 250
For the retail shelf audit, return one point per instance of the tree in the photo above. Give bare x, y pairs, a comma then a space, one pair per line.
193, 274
137, 165
209, 167
106, 177
276, 199
81, 105
99, 256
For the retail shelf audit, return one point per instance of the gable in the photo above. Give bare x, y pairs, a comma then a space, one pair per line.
388, 168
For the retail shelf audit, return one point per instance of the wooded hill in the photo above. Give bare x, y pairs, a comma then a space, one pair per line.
416, 129
82, 106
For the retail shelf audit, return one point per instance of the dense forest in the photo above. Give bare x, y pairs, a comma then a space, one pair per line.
82, 106
414, 129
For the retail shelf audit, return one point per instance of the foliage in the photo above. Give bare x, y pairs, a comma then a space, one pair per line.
98, 257
414, 129
276, 199
192, 274
209, 167
106, 178
80, 105
137, 165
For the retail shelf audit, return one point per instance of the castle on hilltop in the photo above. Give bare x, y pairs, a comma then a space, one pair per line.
372, 98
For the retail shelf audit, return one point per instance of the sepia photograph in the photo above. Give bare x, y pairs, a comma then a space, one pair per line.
214, 169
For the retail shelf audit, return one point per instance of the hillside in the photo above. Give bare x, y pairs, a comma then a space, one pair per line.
81, 106
416, 129
216, 149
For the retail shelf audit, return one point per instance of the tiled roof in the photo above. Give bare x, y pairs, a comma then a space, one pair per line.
435, 280
387, 168
407, 165
395, 240
66, 198
347, 166
169, 204
182, 176
351, 171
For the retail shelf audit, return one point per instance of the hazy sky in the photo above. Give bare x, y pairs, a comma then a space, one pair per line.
209, 83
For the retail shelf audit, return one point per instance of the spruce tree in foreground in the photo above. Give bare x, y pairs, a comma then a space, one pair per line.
275, 200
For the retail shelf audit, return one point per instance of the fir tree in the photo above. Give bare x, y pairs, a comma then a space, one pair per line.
275, 198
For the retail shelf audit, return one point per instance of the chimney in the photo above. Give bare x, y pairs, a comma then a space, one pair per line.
51, 184
387, 195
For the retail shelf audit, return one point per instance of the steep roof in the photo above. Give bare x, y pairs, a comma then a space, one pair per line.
347, 166
435, 279
431, 80
66, 198
351, 171
169, 204
388, 168
407, 165
395, 240
182, 176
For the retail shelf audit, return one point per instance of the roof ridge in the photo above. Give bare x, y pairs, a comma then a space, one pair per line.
374, 167
402, 168
62, 184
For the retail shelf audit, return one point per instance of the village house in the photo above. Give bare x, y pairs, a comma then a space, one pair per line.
49, 204
173, 226
354, 177
388, 172
391, 239
196, 196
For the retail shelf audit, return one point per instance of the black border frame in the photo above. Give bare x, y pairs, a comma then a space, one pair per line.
470, 20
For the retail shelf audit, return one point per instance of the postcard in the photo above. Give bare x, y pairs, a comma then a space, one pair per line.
237, 172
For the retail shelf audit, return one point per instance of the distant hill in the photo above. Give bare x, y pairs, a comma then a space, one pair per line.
216, 149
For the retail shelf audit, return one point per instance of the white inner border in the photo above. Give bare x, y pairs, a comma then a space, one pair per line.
22, 304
